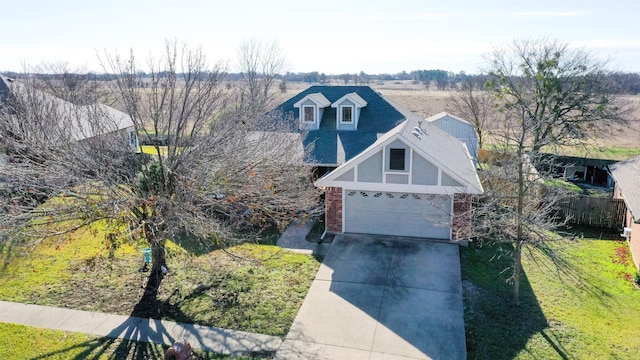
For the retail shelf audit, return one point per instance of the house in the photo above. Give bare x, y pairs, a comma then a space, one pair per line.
387, 171
460, 129
70, 121
627, 176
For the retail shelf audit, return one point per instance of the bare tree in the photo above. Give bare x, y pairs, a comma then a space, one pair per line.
73, 84
215, 177
259, 65
559, 93
517, 208
548, 95
474, 103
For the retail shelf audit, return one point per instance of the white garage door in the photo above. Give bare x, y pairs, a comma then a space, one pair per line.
385, 213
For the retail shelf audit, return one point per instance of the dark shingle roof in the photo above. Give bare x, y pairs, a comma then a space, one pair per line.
378, 117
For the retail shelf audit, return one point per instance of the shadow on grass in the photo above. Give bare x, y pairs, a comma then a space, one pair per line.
496, 328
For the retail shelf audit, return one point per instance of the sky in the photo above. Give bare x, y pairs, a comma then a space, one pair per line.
331, 37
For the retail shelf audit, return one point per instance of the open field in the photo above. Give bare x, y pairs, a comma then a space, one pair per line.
588, 308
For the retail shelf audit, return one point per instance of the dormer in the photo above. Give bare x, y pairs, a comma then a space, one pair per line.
311, 109
348, 111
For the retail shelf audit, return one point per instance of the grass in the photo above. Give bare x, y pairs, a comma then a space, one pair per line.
598, 152
151, 150
566, 185
249, 287
35, 343
586, 308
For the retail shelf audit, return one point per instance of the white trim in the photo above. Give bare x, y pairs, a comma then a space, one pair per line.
344, 194
418, 189
381, 145
453, 200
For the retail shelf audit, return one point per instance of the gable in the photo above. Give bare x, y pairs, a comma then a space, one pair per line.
373, 170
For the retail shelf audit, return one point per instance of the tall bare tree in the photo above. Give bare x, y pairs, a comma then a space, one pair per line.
73, 84
548, 95
259, 65
472, 102
214, 177
559, 93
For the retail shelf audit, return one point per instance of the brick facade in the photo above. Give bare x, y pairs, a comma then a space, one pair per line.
634, 239
333, 209
461, 226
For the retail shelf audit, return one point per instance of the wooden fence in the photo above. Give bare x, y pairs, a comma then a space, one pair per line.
594, 211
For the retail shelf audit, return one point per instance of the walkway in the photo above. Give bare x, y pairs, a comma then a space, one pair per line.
294, 239
137, 329
378, 297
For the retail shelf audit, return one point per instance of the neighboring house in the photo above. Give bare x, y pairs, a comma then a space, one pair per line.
627, 176
79, 122
460, 129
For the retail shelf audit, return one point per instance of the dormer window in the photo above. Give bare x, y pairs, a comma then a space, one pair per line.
311, 109
308, 114
348, 110
346, 114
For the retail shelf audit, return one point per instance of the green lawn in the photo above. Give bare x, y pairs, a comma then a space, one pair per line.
586, 309
24, 342
597, 152
249, 287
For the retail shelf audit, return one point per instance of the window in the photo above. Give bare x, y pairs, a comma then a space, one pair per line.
347, 114
308, 114
396, 159
133, 140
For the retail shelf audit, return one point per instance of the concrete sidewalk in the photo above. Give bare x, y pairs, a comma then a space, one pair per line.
137, 329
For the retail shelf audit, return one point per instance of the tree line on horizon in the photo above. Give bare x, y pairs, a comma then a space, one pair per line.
622, 83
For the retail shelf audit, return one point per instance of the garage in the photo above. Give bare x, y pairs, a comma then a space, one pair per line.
399, 214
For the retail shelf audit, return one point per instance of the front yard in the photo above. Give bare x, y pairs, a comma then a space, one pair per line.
586, 308
250, 287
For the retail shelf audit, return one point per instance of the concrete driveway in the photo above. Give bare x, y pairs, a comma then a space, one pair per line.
378, 297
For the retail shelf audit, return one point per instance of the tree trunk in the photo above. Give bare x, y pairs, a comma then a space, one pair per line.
158, 270
517, 269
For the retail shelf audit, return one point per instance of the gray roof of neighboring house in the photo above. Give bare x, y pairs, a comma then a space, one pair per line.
332, 146
444, 114
5, 89
627, 176
81, 122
